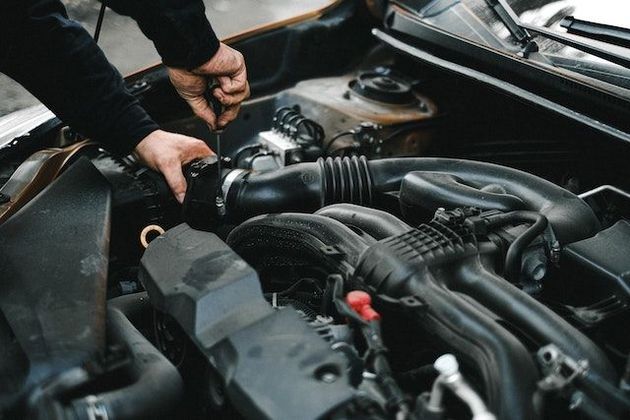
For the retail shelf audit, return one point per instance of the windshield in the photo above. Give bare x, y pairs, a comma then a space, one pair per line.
129, 50
476, 21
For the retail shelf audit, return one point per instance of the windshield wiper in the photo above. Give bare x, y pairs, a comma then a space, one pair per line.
599, 31
514, 25
588, 48
521, 31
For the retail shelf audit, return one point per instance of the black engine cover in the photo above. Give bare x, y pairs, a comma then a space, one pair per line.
273, 363
53, 270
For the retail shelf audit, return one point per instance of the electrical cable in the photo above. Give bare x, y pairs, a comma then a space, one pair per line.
514, 255
376, 350
337, 137
99, 21
244, 149
290, 122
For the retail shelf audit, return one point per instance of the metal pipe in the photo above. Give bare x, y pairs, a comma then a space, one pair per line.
451, 378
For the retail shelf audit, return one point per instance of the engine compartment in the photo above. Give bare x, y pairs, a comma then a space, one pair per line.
383, 242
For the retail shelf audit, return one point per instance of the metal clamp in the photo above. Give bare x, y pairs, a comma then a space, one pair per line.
559, 369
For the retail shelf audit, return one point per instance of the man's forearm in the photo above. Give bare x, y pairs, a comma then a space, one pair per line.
58, 61
179, 29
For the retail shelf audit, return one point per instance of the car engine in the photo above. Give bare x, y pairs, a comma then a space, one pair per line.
327, 265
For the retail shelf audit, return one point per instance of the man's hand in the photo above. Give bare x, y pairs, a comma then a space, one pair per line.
227, 67
167, 153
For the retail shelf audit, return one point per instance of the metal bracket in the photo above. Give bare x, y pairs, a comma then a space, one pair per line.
560, 370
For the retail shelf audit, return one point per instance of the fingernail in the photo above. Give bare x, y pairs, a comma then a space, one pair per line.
180, 197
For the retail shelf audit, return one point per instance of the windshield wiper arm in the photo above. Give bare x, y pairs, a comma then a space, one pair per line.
599, 31
514, 25
588, 48
520, 31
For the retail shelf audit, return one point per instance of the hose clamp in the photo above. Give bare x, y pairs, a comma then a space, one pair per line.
96, 409
229, 180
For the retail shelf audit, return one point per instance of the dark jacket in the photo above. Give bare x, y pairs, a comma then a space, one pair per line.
59, 62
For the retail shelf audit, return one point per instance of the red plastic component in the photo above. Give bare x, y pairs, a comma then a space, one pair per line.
361, 302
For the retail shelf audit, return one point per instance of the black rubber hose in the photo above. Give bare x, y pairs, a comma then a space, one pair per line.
394, 395
376, 223
527, 314
303, 187
157, 386
571, 218
423, 192
605, 394
514, 255
135, 306
307, 187
503, 364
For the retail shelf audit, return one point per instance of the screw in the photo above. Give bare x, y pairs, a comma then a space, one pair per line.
328, 377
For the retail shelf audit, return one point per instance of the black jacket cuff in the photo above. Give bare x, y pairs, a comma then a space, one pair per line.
197, 49
130, 129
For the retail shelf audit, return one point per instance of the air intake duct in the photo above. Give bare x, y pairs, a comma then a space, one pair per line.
304, 187
423, 184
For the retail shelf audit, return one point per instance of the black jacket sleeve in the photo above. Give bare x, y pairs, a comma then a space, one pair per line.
58, 61
179, 29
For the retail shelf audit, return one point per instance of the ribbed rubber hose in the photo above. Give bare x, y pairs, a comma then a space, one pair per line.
307, 187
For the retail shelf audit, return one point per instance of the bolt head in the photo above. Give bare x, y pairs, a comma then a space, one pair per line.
446, 365
329, 378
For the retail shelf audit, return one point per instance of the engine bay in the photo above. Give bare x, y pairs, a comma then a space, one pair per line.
368, 246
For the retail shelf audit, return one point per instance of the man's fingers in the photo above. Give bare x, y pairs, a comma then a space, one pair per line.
233, 84
234, 98
172, 169
167, 153
202, 109
231, 100
228, 115
195, 150
174, 176
228, 67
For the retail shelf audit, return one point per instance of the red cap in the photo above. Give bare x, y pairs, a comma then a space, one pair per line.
361, 302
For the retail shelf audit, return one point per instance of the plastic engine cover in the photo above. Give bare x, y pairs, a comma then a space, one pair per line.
274, 365
53, 271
